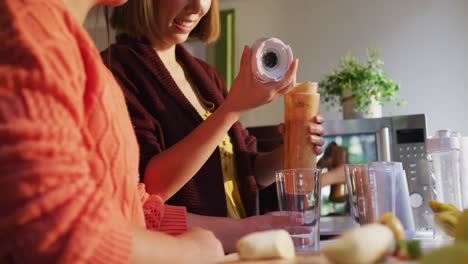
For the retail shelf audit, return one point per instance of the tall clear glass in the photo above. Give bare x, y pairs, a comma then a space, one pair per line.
444, 167
361, 190
299, 195
376, 188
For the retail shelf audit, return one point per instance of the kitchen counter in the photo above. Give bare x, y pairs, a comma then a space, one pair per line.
300, 259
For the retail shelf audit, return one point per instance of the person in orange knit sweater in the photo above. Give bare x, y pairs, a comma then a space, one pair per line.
68, 152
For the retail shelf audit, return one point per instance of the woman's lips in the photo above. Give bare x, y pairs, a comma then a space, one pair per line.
184, 25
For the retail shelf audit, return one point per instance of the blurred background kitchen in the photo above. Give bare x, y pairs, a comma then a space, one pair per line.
424, 44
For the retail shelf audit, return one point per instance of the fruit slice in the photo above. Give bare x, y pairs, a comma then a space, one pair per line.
453, 254
408, 249
391, 221
266, 245
447, 221
461, 231
363, 245
437, 206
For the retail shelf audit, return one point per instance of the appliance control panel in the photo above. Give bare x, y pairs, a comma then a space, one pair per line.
410, 150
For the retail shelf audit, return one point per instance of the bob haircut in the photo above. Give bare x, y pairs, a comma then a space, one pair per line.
137, 18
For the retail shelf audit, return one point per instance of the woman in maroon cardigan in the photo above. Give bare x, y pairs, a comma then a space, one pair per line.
210, 166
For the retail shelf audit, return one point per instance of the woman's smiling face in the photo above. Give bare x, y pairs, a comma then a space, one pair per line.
175, 19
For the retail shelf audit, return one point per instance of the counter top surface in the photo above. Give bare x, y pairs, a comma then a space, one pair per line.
299, 259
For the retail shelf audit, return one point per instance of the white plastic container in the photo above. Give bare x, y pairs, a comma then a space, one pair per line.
443, 154
464, 170
270, 59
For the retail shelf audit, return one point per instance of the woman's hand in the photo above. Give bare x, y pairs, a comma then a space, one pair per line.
206, 248
248, 93
316, 132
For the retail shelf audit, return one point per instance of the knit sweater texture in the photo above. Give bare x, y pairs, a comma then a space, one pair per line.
162, 116
68, 153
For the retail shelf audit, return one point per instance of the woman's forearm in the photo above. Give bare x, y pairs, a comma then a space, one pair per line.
168, 171
266, 164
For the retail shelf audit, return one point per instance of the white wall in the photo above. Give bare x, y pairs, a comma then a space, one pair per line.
423, 44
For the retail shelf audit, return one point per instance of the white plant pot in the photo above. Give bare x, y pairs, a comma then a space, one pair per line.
374, 110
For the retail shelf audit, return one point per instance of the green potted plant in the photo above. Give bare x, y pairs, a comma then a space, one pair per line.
360, 90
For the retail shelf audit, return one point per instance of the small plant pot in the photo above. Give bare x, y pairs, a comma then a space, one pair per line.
349, 108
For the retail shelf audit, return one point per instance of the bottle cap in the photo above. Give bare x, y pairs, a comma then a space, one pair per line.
443, 140
270, 59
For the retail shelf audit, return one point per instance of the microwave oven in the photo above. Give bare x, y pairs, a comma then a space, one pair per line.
392, 138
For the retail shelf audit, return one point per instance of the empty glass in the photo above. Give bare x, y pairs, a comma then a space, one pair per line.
376, 188
299, 195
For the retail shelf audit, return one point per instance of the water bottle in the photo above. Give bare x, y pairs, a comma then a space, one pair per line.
443, 154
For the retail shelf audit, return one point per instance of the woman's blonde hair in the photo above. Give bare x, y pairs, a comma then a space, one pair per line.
138, 18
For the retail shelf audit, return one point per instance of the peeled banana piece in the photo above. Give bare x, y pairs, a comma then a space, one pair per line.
363, 245
391, 221
266, 245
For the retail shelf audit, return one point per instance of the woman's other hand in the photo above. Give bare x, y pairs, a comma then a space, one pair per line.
316, 131
272, 220
247, 92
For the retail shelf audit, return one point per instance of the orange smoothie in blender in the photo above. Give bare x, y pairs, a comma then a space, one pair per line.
300, 106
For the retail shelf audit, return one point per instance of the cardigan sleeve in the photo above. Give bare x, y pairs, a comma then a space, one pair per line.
145, 127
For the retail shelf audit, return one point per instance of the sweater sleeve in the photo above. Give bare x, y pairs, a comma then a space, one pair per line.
146, 129
161, 217
52, 209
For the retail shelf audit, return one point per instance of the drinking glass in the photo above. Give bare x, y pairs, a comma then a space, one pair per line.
299, 197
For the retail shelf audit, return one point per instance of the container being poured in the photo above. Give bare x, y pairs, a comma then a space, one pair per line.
301, 104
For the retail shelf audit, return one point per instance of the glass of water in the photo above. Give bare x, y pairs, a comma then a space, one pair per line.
299, 197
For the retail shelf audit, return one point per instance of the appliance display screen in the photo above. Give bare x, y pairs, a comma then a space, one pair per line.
410, 136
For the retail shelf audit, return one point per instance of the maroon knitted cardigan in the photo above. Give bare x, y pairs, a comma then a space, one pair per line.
162, 116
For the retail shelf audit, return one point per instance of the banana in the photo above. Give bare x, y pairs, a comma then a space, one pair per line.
447, 221
391, 221
438, 207
453, 254
461, 232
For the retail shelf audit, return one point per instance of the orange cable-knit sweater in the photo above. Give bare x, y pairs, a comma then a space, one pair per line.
68, 153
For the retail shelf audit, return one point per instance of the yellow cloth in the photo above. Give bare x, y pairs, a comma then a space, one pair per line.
234, 202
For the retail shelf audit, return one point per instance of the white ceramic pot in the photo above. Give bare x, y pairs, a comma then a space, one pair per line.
374, 110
